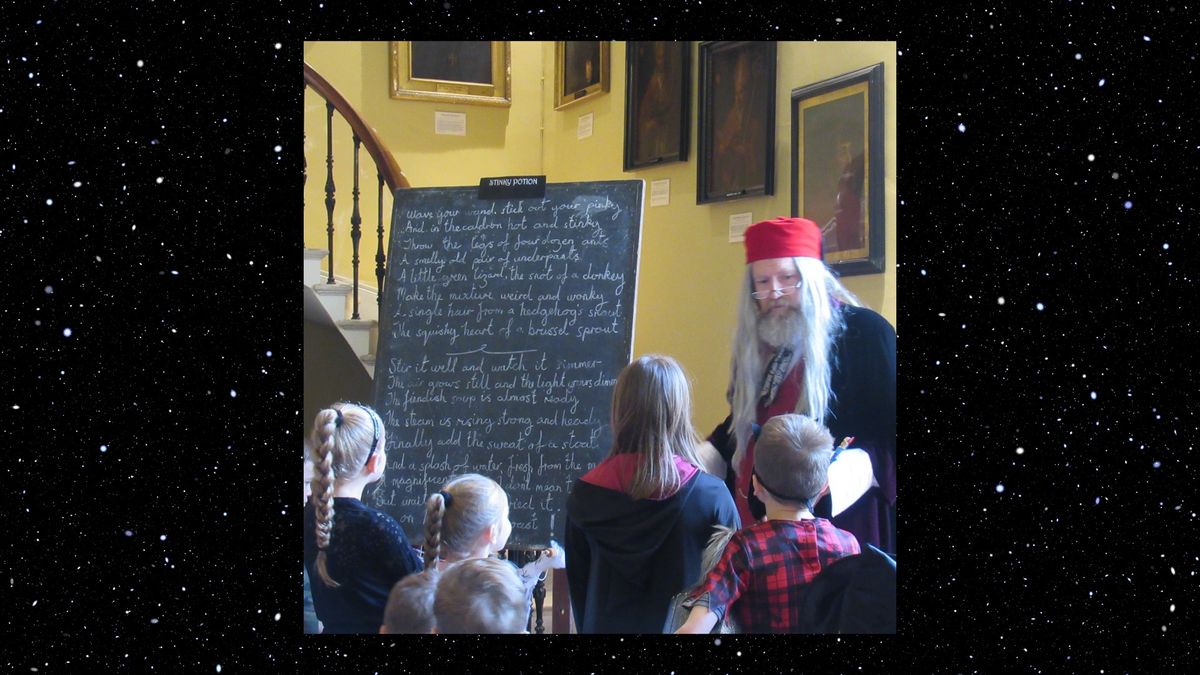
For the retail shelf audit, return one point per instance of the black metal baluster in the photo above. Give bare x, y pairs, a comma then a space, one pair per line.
329, 200
355, 229
379, 257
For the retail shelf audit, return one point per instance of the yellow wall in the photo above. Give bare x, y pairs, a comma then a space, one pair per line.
689, 272
499, 141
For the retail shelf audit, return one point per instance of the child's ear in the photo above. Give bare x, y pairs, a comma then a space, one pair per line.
374, 465
824, 491
489, 534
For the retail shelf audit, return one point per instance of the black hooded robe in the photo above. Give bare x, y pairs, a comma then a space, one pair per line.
626, 558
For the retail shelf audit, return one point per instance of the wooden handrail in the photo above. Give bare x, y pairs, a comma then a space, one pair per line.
387, 165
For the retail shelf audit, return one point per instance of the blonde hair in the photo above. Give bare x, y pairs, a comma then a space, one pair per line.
822, 323
481, 595
410, 604
340, 448
652, 418
476, 503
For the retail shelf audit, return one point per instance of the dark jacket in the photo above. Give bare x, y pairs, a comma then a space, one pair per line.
856, 594
863, 381
626, 558
368, 553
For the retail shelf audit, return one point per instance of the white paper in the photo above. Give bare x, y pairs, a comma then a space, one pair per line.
450, 124
850, 476
585, 126
738, 223
660, 192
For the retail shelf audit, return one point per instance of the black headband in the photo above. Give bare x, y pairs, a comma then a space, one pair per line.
802, 500
374, 427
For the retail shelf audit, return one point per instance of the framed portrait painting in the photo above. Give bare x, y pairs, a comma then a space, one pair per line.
737, 121
471, 72
580, 71
657, 102
837, 167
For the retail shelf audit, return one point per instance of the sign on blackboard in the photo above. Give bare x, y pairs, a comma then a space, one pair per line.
503, 327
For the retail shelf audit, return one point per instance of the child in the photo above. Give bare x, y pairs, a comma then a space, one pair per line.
311, 623
410, 605
638, 522
353, 553
481, 596
763, 574
467, 518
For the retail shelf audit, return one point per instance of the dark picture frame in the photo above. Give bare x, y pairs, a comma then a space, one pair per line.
460, 62
737, 121
837, 167
473, 73
580, 71
657, 102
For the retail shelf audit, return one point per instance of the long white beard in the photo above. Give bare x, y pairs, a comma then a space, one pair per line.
778, 328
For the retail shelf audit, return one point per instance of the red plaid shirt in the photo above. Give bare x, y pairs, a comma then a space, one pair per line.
764, 572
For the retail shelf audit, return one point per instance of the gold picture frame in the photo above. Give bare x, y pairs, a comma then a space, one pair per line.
837, 167
577, 75
452, 72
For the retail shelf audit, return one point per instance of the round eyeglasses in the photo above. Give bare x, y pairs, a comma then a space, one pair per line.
763, 295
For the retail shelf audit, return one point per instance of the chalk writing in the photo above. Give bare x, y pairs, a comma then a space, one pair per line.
503, 327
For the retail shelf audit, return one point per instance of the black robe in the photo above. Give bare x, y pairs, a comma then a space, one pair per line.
626, 558
864, 406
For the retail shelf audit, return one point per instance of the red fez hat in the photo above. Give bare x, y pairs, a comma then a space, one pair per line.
783, 238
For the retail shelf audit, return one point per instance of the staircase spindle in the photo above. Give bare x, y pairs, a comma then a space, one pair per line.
379, 257
355, 227
329, 200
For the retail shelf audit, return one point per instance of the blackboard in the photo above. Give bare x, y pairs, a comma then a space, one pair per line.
504, 325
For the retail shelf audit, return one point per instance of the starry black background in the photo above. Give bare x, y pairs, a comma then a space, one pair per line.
1045, 158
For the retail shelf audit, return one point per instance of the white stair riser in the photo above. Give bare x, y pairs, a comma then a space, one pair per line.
312, 272
359, 339
367, 309
339, 306
334, 304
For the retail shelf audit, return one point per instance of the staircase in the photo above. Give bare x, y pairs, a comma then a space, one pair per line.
363, 333
351, 304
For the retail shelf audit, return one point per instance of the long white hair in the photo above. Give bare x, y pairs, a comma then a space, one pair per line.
821, 323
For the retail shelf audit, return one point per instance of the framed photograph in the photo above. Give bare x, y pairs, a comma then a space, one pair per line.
580, 71
475, 73
837, 167
737, 121
657, 102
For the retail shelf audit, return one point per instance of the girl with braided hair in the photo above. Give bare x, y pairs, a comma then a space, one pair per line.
354, 554
467, 518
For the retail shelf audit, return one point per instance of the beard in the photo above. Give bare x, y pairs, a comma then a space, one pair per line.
781, 326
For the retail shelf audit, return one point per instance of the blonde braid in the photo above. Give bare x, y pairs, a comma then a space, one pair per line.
435, 510
323, 479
